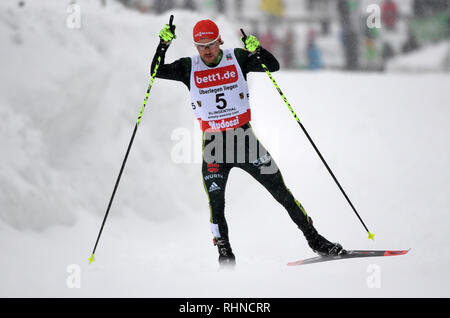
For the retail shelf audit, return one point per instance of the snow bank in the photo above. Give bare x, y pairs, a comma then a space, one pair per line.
69, 102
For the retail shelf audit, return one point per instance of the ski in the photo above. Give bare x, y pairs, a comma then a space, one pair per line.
348, 254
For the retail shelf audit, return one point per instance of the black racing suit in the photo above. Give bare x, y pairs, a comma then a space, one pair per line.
238, 147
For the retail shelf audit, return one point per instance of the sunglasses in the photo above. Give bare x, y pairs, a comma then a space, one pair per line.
208, 45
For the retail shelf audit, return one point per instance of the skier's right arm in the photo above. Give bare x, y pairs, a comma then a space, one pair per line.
178, 70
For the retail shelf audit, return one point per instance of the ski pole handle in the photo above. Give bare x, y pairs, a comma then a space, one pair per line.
244, 38
170, 23
245, 35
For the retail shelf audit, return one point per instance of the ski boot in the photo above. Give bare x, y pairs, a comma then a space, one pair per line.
226, 256
319, 244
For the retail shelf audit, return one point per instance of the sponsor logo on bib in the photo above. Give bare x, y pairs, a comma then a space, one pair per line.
217, 76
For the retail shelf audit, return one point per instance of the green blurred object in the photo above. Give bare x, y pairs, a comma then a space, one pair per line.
352, 4
430, 29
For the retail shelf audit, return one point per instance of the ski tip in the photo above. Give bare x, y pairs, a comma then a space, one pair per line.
371, 236
295, 263
91, 259
393, 253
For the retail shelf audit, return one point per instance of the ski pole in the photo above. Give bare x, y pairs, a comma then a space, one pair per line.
91, 259
371, 235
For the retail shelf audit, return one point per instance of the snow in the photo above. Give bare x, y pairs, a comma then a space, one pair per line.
432, 58
68, 104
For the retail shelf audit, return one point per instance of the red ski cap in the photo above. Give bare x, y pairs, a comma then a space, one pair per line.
206, 30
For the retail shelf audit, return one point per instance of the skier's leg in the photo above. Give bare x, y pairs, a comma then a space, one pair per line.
215, 176
274, 183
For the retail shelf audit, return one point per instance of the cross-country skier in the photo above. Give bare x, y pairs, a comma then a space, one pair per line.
217, 82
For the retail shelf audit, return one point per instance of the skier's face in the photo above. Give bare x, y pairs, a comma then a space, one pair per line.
210, 52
